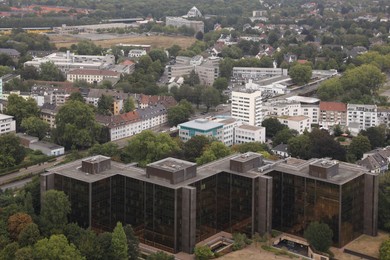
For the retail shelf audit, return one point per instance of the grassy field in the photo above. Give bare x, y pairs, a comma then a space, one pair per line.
154, 41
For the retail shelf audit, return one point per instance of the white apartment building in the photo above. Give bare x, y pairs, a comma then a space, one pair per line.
69, 61
297, 123
257, 73
247, 107
7, 124
249, 133
361, 117
229, 126
91, 76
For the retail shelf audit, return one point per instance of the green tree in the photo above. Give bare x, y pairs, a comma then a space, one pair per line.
119, 243
107, 149
214, 151
149, 147
272, 126
359, 145
322, 144
251, 147
300, 74
76, 125
210, 97
158, 54
88, 245
129, 105
29, 235
174, 50
9, 251
24, 253
194, 147
76, 96
144, 62
225, 67
104, 241
384, 250
192, 79
330, 90
160, 255
88, 48
283, 136
203, 253
319, 235
105, 105
376, 135
56, 247
299, 146
50, 72
177, 115
220, 83
29, 72
35, 126
54, 211
337, 130
20, 108
11, 152
240, 241
132, 242
5, 70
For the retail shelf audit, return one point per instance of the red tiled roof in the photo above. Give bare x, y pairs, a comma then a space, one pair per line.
127, 62
333, 106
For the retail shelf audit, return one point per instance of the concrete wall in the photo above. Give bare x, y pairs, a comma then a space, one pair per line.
264, 205
188, 226
371, 186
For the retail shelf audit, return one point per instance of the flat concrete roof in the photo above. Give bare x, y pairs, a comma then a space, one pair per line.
171, 164
201, 124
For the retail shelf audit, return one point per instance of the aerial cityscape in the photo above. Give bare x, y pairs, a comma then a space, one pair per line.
183, 130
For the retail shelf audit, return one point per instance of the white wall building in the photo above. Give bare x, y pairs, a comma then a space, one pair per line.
136, 53
247, 107
69, 61
361, 117
257, 73
179, 22
91, 76
7, 124
297, 123
229, 126
249, 133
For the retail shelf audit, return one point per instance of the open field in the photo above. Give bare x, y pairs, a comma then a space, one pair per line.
155, 41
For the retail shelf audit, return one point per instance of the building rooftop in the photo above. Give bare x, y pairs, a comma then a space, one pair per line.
94, 72
3, 117
201, 124
47, 145
303, 99
171, 164
333, 106
294, 118
250, 127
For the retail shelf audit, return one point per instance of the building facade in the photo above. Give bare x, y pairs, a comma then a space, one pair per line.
201, 126
332, 113
173, 204
297, 123
91, 76
7, 124
179, 22
248, 134
247, 107
361, 117
257, 73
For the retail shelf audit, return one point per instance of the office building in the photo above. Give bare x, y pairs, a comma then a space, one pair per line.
247, 107
248, 134
200, 126
173, 204
92, 76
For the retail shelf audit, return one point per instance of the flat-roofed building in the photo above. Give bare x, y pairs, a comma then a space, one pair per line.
257, 73
297, 123
248, 134
173, 204
179, 22
200, 127
92, 76
7, 124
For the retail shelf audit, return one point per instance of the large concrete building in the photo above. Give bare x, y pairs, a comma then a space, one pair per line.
173, 204
69, 61
179, 22
257, 73
7, 124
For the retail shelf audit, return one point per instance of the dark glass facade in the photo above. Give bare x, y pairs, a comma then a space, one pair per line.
224, 203
299, 200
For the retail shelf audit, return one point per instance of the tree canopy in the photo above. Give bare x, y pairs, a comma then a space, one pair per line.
300, 74
319, 235
21, 108
56, 247
11, 151
76, 125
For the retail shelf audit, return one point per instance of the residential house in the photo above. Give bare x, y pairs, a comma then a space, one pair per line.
332, 113
281, 150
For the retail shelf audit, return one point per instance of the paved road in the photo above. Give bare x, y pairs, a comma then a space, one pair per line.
34, 169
